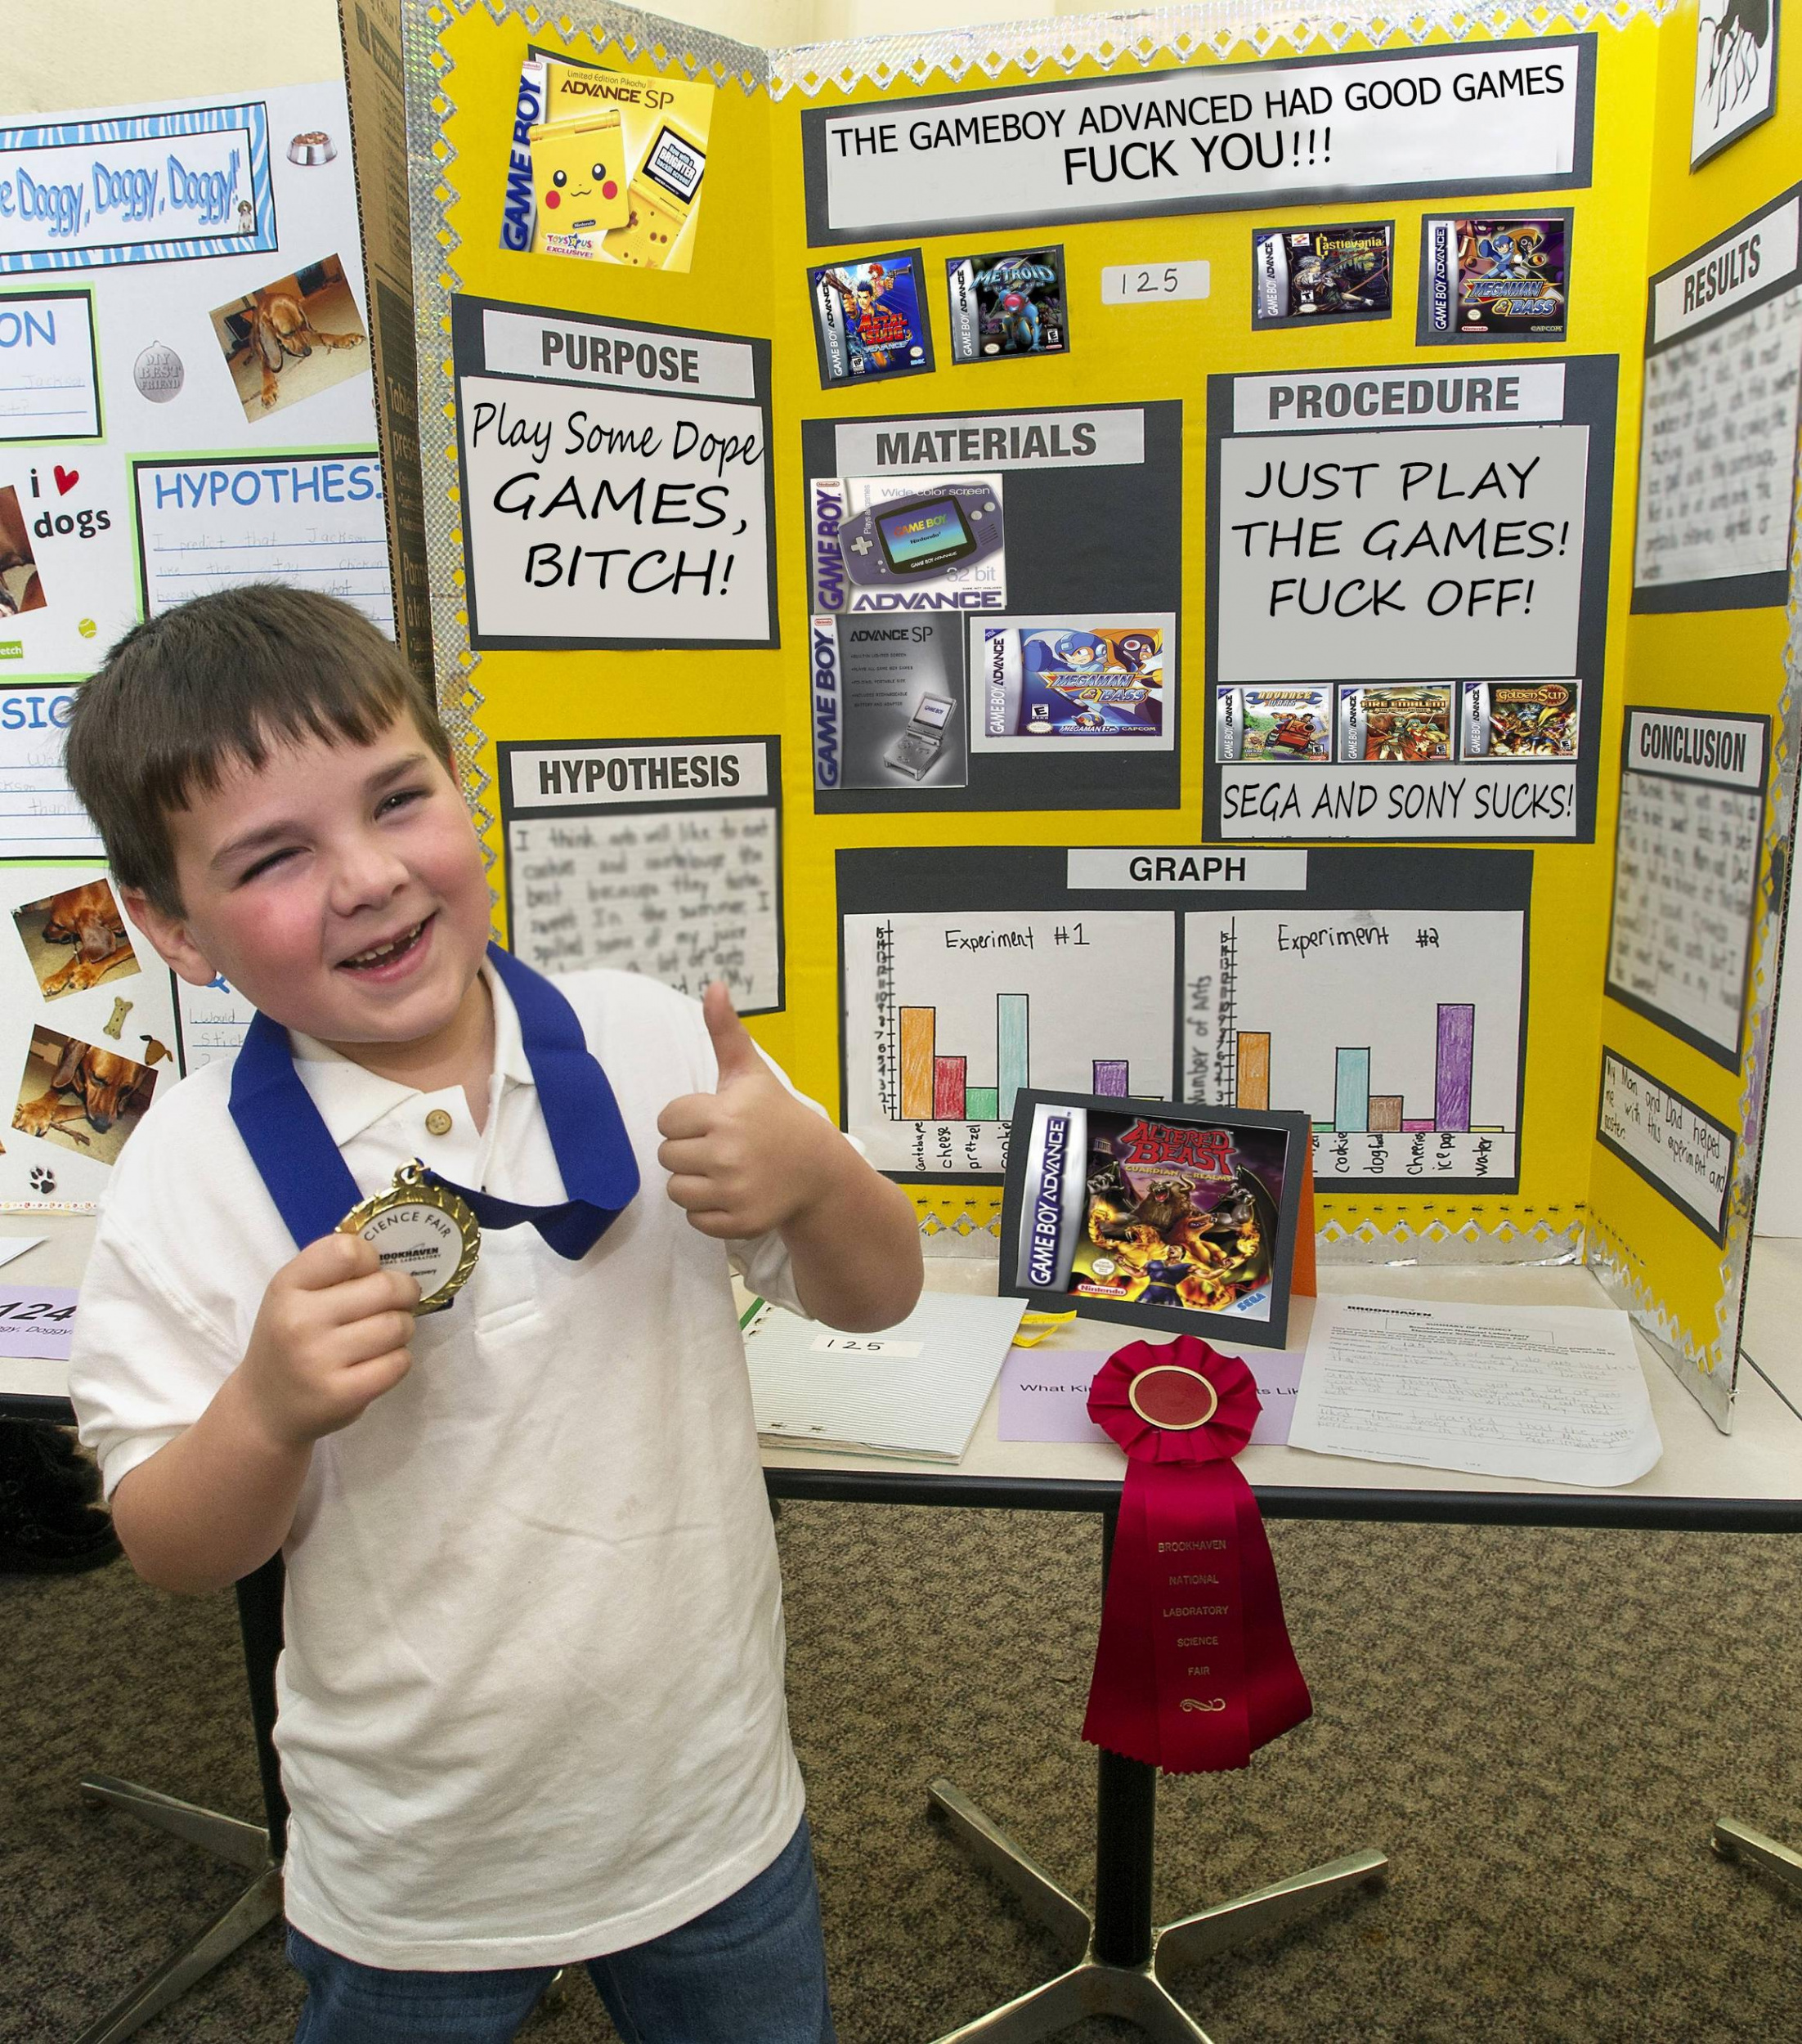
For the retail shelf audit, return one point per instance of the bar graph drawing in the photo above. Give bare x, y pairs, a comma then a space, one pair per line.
1398, 1033
948, 1015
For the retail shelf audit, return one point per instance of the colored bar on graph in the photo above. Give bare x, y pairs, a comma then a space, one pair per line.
1253, 1089
1013, 1057
1109, 1076
948, 1088
1416, 1128
917, 1027
1451, 1075
1385, 1113
982, 1104
1352, 1092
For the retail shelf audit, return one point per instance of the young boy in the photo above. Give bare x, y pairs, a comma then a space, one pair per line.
531, 1706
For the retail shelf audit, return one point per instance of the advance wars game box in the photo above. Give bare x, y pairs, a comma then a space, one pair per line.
1171, 1217
1009, 303
1301, 275
1262, 726
1520, 720
1494, 280
1055, 678
870, 319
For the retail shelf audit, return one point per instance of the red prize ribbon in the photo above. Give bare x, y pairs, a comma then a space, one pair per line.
1194, 1670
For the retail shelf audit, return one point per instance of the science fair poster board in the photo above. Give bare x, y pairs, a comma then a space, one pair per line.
1706, 773
1018, 672
185, 406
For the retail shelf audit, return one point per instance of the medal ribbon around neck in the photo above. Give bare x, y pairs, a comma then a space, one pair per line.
1194, 1670
311, 1184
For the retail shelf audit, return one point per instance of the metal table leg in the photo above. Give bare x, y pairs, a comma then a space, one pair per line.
257, 1848
1122, 1963
1734, 1841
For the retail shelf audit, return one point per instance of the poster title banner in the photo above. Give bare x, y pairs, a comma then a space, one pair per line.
1508, 117
146, 188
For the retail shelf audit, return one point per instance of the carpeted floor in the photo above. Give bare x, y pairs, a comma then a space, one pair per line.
1537, 1727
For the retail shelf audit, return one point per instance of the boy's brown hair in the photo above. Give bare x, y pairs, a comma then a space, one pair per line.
221, 678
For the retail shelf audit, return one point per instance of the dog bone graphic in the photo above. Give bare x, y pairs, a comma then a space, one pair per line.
115, 1028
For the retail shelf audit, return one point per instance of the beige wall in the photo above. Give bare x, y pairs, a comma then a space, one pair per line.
123, 53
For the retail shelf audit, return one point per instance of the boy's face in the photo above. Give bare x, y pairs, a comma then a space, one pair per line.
340, 887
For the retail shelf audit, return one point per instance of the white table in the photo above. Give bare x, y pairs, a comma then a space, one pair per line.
1747, 1482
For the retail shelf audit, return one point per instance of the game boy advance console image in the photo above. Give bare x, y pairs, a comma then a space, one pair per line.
924, 535
914, 752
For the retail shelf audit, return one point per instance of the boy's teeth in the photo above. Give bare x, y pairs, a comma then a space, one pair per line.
387, 950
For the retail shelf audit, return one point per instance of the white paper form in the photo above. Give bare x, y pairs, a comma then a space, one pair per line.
1554, 1393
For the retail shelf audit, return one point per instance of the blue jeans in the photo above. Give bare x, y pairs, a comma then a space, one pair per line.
752, 1970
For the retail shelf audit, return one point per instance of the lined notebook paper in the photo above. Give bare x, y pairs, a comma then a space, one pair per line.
916, 1390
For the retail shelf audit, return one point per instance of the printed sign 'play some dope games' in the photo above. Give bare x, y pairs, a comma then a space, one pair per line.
1496, 120
660, 857
616, 482
1686, 872
1671, 1142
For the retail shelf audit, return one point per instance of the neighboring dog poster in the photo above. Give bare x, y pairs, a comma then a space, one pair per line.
76, 939
89, 1031
81, 1097
125, 338
21, 586
289, 340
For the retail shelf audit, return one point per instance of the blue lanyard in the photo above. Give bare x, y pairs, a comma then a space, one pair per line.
311, 1184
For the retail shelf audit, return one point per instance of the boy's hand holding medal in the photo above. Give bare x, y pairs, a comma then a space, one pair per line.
331, 1336
749, 1156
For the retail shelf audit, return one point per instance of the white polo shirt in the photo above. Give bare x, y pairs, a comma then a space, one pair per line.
531, 1706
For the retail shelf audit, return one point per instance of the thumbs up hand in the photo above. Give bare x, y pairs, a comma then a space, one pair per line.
748, 1156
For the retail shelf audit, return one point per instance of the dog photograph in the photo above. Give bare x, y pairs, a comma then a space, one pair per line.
81, 1097
22, 587
76, 939
287, 341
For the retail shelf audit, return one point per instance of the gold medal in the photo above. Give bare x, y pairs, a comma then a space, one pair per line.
423, 1228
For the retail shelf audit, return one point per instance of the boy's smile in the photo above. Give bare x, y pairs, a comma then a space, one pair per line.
340, 887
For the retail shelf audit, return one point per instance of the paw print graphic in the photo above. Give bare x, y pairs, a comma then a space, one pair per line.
43, 1180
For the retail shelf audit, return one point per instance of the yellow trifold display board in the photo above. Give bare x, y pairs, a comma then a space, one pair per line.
1133, 568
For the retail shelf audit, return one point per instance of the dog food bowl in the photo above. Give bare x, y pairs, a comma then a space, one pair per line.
314, 148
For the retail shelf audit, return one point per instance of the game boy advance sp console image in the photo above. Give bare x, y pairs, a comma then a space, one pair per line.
917, 749
925, 536
664, 190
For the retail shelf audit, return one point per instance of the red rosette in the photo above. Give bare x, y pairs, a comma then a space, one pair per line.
1194, 1670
